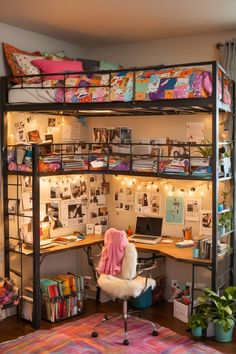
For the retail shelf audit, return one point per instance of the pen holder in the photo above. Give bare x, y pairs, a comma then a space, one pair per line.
187, 234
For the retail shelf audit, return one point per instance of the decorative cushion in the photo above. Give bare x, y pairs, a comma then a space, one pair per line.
14, 67
55, 66
107, 65
24, 62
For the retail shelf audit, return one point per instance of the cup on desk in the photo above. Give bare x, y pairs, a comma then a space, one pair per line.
187, 233
195, 252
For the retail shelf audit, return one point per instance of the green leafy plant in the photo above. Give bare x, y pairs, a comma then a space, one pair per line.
200, 317
205, 151
224, 195
226, 220
222, 309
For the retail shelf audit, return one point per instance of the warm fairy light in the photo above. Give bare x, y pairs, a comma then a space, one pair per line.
170, 192
123, 183
166, 187
139, 187
148, 186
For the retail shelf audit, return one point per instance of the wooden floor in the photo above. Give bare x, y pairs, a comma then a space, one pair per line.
11, 328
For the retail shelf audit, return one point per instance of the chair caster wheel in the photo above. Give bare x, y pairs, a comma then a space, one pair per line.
94, 334
125, 342
155, 333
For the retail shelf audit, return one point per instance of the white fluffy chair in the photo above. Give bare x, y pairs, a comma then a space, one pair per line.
127, 284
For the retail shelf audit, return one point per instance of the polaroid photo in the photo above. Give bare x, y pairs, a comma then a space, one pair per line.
34, 137
206, 222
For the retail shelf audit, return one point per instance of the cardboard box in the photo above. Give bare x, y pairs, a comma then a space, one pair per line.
181, 310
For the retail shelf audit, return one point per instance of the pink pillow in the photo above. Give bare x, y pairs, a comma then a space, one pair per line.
57, 66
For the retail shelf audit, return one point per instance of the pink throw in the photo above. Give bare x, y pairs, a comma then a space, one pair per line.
115, 242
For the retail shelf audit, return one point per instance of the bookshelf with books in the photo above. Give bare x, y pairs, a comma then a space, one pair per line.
210, 159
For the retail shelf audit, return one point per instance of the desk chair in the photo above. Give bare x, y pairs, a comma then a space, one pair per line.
127, 283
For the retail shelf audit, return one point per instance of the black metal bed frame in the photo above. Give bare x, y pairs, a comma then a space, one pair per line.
161, 107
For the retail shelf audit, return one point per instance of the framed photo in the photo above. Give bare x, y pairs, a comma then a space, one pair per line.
206, 222
34, 137
98, 229
89, 229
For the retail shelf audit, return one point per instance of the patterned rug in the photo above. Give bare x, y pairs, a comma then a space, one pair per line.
75, 337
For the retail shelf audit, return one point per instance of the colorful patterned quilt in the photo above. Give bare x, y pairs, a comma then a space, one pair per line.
139, 85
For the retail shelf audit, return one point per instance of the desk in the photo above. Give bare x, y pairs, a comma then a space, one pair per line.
170, 250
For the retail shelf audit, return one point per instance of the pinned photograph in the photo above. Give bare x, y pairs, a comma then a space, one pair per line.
89, 229
192, 209
174, 210
51, 122
34, 137
206, 222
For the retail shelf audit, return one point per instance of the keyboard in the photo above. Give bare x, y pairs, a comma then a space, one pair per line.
145, 239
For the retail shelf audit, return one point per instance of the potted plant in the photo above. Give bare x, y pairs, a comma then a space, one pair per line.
222, 311
224, 195
206, 150
198, 321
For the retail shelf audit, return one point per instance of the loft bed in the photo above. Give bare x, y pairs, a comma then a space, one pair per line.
181, 89
184, 88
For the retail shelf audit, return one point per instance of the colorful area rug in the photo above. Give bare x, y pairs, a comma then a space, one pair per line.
75, 337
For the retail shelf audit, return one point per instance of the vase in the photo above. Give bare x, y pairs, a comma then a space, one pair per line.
196, 332
221, 335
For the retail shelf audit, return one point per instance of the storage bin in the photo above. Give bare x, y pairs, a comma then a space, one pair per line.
144, 300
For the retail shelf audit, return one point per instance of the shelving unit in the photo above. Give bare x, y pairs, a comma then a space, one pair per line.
220, 267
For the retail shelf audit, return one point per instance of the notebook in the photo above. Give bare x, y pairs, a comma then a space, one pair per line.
148, 230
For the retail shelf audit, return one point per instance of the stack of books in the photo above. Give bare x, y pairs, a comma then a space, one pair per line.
144, 165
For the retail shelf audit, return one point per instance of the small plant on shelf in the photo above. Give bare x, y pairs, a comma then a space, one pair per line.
224, 195
205, 151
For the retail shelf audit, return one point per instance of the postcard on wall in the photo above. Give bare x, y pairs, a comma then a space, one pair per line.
26, 183
129, 195
100, 135
19, 132
119, 195
55, 192
192, 209
142, 202
34, 137
72, 213
195, 132
174, 210
206, 222
27, 202
156, 203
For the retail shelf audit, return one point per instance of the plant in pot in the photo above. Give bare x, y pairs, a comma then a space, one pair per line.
222, 311
224, 195
198, 321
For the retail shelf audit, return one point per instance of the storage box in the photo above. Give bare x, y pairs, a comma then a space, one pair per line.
144, 300
181, 310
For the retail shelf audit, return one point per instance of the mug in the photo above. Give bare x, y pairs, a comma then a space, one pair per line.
187, 234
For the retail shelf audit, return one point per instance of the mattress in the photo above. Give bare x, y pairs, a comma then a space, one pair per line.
33, 93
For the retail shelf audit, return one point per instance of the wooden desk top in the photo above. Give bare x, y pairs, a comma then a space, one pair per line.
165, 249
170, 250
90, 240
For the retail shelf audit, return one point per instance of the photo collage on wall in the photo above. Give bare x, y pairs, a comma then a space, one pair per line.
119, 138
66, 202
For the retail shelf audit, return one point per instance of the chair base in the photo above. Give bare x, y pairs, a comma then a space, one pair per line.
125, 315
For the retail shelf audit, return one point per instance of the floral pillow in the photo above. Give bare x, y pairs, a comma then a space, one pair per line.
24, 62
9, 50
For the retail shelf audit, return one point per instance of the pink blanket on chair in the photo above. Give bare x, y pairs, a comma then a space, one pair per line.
115, 242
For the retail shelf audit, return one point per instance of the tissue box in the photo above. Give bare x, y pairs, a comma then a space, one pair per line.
181, 310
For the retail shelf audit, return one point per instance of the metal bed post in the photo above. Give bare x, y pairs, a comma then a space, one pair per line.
215, 182
36, 239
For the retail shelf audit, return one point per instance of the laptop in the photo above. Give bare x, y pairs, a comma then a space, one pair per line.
148, 230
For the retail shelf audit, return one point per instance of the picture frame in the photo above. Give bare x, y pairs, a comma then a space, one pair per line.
98, 229
89, 229
206, 222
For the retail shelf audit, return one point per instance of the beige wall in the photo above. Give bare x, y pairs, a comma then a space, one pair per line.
165, 51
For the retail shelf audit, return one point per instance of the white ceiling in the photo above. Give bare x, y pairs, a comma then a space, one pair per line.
101, 22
